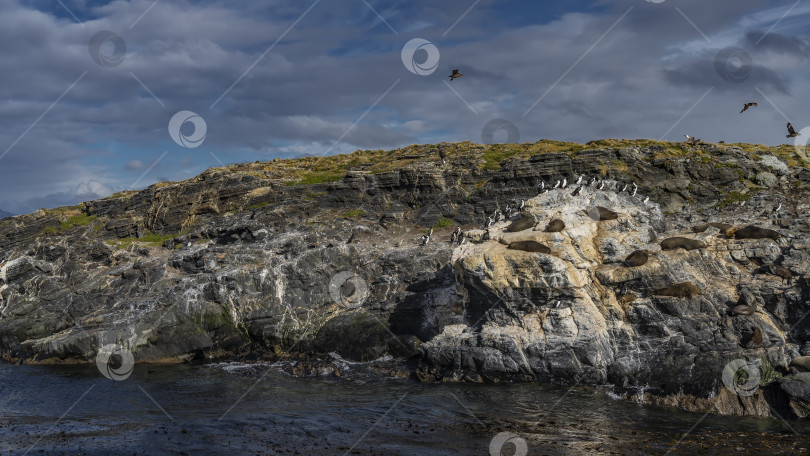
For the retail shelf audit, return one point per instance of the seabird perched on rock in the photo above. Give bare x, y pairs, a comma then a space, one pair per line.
457, 231
564, 182
623, 188
430, 232
579, 181
557, 304
646, 199
635, 189
746, 106
486, 235
577, 191
557, 184
542, 185
461, 238
777, 208
791, 132
602, 185
488, 223
425, 239
692, 140
522, 205
593, 182
453, 237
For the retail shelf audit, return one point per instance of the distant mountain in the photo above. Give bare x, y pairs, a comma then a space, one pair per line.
4, 214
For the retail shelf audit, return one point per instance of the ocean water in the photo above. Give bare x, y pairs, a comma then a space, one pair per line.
258, 409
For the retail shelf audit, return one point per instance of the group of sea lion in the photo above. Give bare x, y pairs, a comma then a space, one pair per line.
688, 290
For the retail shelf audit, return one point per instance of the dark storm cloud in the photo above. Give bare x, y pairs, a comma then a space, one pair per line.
313, 87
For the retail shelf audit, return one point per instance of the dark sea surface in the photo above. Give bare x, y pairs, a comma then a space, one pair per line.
238, 409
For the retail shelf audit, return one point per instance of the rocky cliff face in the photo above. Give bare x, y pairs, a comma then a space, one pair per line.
246, 262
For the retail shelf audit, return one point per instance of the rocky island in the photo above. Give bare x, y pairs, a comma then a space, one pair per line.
666, 269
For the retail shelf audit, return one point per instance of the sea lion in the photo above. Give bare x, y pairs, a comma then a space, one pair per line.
600, 213
720, 226
679, 290
637, 258
682, 243
779, 271
754, 232
524, 223
555, 226
802, 362
529, 246
756, 339
743, 309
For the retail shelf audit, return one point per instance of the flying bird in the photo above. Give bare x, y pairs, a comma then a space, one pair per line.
455, 75
692, 140
746, 106
791, 132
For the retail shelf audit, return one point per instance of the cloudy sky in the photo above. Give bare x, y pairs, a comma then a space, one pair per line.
89, 87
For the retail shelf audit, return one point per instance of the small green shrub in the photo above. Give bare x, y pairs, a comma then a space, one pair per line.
443, 223
354, 213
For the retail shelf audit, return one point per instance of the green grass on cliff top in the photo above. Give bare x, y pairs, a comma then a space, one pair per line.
316, 169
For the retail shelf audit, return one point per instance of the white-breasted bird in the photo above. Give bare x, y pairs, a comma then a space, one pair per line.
646, 199
579, 181
634, 191
564, 182
557, 184
522, 204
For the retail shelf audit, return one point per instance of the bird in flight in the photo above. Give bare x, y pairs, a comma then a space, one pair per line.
692, 140
746, 106
455, 75
791, 132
